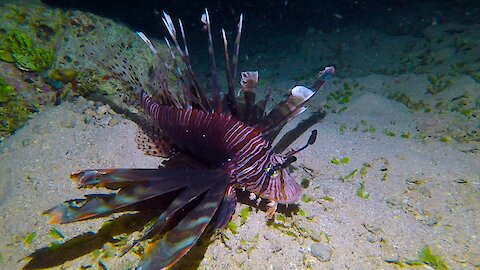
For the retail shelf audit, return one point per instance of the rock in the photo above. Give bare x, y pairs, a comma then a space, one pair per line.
309, 261
68, 123
80, 104
389, 253
104, 121
276, 245
113, 122
103, 109
90, 103
90, 112
87, 119
321, 251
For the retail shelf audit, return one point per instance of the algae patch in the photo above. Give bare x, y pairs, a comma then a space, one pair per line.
14, 111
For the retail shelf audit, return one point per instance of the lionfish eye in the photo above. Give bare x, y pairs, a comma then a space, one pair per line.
270, 171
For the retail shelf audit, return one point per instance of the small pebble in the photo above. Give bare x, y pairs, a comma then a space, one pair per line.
113, 122
105, 121
321, 251
389, 253
103, 109
461, 181
87, 119
68, 123
90, 112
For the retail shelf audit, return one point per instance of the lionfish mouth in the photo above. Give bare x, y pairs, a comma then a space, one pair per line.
191, 130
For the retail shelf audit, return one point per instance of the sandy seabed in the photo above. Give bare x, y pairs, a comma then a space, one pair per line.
420, 192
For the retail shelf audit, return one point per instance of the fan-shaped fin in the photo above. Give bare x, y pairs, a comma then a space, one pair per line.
153, 143
180, 239
226, 209
136, 185
185, 197
96, 205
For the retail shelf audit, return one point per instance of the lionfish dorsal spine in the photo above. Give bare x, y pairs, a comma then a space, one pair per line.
293, 105
215, 83
193, 84
230, 100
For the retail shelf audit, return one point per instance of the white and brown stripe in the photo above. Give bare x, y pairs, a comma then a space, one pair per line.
218, 139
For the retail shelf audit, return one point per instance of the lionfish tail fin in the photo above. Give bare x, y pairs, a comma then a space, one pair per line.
134, 186
293, 105
201, 203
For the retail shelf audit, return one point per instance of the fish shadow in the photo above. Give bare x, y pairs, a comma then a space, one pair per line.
83, 244
289, 137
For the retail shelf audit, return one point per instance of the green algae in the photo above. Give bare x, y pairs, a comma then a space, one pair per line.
438, 84
14, 111
407, 101
341, 97
361, 192
19, 48
426, 257
7, 92
306, 199
327, 198
389, 133
349, 176
28, 240
445, 139
244, 213
363, 170
343, 160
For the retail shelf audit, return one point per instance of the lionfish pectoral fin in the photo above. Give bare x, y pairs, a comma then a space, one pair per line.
180, 239
136, 185
226, 209
197, 188
118, 178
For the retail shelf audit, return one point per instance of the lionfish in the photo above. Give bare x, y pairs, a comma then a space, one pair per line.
213, 146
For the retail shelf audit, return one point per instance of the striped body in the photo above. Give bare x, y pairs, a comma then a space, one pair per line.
221, 141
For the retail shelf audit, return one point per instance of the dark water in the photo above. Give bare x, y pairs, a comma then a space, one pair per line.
273, 29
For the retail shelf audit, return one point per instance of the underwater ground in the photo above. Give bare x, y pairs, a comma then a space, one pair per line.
392, 182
